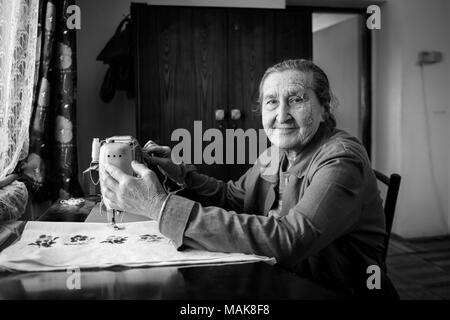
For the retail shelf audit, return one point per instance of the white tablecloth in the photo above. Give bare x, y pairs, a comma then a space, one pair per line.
61, 245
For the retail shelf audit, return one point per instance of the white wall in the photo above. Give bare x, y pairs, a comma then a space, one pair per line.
400, 130
341, 42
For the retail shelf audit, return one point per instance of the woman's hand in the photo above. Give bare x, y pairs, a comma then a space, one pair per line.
143, 195
161, 157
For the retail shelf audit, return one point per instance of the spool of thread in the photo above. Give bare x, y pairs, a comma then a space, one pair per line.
95, 149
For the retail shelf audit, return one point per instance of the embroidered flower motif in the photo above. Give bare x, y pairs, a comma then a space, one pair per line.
150, 238
44, 93
115, 240
64, 56
63, 130
50, 17
44, 240
78, 240
34, 168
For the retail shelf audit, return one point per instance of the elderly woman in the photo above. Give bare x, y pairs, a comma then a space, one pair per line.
319, 213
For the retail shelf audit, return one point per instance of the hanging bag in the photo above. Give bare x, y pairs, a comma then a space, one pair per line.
117, 53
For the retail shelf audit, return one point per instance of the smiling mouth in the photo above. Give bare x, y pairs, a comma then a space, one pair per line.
285, 131
287, 128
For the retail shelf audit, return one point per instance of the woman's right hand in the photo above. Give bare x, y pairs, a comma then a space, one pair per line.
161, 156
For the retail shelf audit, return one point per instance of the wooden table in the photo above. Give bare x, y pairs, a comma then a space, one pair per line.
236, 281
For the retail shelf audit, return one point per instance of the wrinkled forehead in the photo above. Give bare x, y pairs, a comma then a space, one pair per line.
286, 81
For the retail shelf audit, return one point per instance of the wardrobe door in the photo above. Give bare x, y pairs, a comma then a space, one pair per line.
293, 30
251, 41
181, 74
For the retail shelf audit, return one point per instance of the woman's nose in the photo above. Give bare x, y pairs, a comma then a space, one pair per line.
283, 113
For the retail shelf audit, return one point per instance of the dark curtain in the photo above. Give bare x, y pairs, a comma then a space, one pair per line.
51, 168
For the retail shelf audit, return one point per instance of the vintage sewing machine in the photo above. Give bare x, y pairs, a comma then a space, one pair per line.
119, 151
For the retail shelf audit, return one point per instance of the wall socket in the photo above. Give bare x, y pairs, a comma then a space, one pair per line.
429, 57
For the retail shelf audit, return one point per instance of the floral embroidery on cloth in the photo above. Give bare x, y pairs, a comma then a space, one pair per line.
44, 240
115, 240
46, 246
150, 238
78, 240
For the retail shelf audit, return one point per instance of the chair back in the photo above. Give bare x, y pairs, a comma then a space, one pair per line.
393, 186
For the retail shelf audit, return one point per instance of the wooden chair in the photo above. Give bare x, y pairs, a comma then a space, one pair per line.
393, 186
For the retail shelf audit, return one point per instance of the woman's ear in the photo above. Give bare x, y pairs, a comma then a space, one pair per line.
322, 114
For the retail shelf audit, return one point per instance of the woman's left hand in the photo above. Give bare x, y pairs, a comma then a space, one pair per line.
142, 195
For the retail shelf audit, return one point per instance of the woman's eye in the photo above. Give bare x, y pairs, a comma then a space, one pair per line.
296, 99
272, 103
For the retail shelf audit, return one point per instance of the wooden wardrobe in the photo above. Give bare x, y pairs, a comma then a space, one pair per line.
195, 63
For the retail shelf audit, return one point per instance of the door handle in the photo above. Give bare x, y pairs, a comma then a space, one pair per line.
220, 117
220, 114
235, 114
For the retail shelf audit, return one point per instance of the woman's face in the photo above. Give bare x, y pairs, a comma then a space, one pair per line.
291, 112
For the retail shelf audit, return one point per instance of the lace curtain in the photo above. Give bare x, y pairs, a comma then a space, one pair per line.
18, 31
51, 168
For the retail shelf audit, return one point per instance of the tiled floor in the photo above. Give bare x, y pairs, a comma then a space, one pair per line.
420, 269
